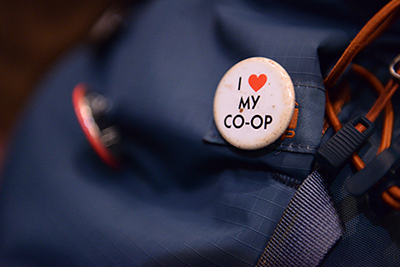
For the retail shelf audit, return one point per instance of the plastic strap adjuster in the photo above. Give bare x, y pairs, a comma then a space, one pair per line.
343, 144
386, 164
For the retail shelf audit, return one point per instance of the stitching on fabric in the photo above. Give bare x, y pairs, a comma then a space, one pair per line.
286, 180
308, 147
309, 86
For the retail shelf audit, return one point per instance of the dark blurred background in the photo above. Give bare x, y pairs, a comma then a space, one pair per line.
33, 34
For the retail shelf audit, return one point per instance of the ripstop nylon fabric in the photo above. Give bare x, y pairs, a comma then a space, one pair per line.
185, 198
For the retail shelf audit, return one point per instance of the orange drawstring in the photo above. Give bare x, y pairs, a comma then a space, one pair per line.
374, 27
388, 119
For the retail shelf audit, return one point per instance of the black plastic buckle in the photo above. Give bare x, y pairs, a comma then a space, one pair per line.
382, 170
333, 155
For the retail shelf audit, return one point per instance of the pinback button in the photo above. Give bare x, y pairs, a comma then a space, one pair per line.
254, 103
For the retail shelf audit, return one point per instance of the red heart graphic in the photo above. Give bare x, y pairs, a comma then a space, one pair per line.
257, 82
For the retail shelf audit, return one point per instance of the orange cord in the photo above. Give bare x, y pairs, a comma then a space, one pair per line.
374, 27
389, 200
388, 118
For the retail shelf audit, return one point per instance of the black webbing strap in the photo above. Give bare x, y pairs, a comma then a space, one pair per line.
310, 225
307, 230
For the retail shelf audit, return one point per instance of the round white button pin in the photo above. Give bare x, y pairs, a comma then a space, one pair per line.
254, 103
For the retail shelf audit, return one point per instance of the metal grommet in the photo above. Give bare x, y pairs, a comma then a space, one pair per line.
392, 67
90, 109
